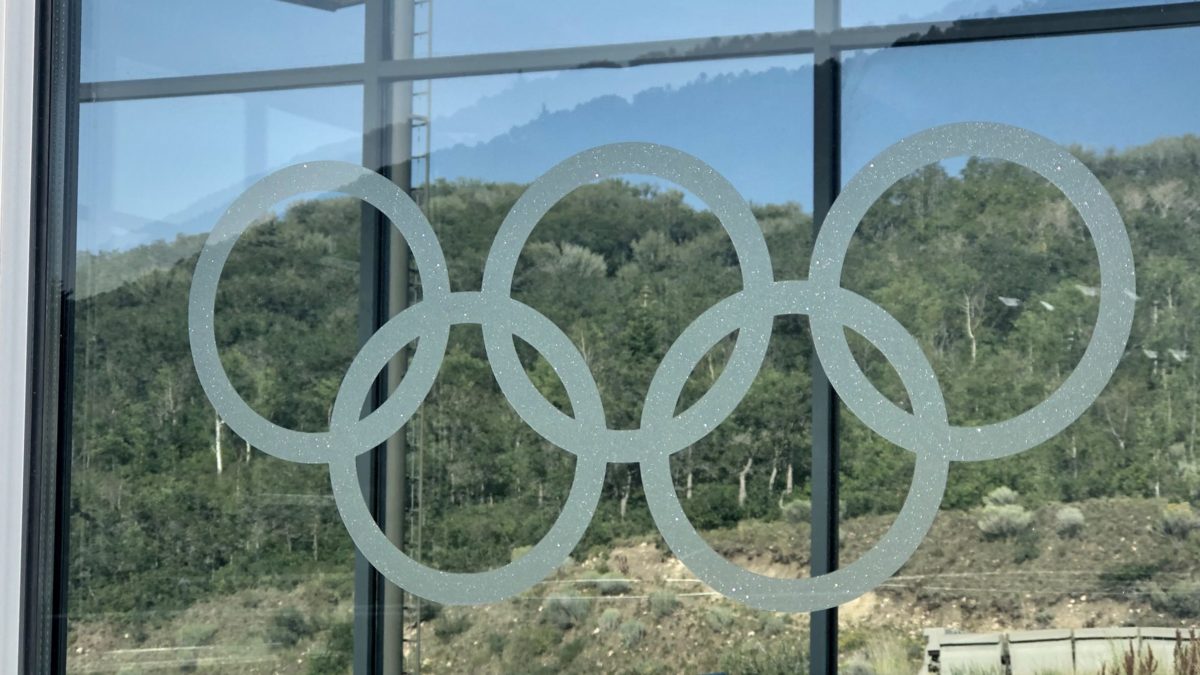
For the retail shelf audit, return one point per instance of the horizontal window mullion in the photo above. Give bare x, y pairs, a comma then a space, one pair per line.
223, 83
1018, 27
569, 58
602, 56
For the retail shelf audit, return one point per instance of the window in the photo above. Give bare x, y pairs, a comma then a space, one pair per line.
515, 307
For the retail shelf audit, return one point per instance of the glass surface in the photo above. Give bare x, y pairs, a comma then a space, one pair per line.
134, 39
137, 39
189, 548
469, 26
881, 12
193, 549
990, 268
621, 266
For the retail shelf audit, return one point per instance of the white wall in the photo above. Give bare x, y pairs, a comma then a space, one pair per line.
16, 132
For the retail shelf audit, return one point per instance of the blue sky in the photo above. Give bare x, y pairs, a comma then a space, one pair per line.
151, 168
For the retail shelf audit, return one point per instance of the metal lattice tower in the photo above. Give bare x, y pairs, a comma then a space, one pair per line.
419, 189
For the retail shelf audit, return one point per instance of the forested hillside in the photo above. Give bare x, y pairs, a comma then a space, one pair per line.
991, 270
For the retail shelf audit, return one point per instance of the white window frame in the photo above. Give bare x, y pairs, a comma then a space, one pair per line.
17, 63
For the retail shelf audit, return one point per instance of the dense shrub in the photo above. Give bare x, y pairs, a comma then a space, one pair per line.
341, 638
429, 610
797, 511
857, 666
529, 642
613, 584
570, 651
195, 634
719, 618
338, 654
328, 663
1043, 618
450, 625
1068, 521
663, 604
481, 536
1004, 520
610, 619
590, 579
496, 643
1122, 578
777, 657
1001, 496
1026, 546
631, 633
1181, 599
713, 506
1179, 519
287, 627
566, 612
774, 624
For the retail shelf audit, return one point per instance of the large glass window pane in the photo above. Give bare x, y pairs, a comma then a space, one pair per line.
992, 270
621, 265
190, 548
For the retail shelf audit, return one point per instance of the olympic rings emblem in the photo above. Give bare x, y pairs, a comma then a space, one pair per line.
925, 431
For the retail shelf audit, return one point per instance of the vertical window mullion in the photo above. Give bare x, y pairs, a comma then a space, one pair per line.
373, 264
47, 506
824, 473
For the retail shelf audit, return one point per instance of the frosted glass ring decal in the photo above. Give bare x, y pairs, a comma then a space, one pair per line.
926, 431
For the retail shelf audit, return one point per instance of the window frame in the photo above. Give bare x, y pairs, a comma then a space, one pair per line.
48, 325
44, 78
17, 50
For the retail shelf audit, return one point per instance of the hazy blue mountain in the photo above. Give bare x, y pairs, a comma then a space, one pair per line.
753, 128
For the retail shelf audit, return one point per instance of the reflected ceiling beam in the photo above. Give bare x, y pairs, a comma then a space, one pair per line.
626, 55
222, 83
327, 5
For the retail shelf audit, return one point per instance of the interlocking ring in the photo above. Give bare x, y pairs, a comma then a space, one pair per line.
750, 312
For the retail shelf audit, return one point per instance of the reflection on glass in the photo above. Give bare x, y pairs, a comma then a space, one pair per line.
1090, 532
469, 26
190, 549
513, 128
135, 39
154, 169
147, 39
878, 12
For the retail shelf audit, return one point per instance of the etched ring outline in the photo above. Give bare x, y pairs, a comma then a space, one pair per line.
920, 506
754, 261
1117, 289
258, 199
550, 551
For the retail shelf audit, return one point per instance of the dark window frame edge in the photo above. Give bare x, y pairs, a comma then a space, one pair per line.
44, 574
43, 610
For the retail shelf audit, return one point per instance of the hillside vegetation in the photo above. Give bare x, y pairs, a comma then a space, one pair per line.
173, 514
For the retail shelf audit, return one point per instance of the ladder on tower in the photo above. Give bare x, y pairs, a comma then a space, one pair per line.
419, 189
422, 100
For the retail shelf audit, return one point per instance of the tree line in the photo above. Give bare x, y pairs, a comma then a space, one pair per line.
989, 268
